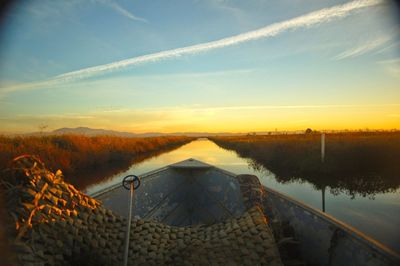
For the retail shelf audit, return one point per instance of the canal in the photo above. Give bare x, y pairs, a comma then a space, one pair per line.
377, 214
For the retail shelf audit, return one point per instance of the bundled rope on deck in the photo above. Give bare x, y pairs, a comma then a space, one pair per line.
54, 222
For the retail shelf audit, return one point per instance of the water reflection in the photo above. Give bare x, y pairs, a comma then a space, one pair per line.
82, 178
355, 185
201, 149
372, 205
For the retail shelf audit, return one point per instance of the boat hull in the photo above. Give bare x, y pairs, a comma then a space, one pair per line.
184, 194
323, 239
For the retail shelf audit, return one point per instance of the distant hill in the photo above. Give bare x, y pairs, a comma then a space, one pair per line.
91, 132
96, 132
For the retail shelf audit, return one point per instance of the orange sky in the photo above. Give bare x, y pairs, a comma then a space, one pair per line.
322, 65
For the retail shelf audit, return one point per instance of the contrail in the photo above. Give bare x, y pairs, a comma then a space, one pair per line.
304, 21
364, 48
123, 11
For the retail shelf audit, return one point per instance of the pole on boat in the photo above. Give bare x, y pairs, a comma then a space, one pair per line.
130, 182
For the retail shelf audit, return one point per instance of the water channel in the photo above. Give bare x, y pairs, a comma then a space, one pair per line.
376, 215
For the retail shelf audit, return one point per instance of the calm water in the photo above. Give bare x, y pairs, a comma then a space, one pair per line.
378, 217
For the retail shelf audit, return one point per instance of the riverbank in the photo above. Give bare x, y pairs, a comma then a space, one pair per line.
360, 163
85, 159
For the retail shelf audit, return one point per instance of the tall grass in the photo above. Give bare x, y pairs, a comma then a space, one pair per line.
359, 163
85, 160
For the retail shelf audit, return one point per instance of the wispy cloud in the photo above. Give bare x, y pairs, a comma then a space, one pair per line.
369, 46
308, 20
169, 119
260, 107
206, 74
122, 10
70, 116
392, 66
304, 21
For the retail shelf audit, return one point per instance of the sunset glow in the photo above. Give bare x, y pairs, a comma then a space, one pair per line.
201, 66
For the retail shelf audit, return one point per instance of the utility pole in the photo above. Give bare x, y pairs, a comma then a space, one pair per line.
322, 161
322, 147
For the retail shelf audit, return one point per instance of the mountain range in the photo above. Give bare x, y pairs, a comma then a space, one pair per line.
97, 132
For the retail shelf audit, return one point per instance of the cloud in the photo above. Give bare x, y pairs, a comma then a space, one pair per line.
261, 107
225, 5
56, 117
181, 111
206, 74
308, 20
122, 11
304, 21
364, 48
202, 118
392, 66
44, 9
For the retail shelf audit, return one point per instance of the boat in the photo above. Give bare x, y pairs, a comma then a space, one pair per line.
192, 193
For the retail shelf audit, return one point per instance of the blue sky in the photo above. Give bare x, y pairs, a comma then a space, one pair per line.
337, 71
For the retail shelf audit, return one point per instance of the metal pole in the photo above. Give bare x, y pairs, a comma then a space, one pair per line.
322, 161
323, 199
323, 147
128, 226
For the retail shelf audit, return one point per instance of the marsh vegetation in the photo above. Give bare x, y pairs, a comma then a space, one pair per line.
363, 163
85, 160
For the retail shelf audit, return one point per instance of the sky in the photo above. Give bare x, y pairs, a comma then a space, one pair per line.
200, 65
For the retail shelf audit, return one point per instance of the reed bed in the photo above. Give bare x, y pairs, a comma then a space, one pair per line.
359, 162
85, 160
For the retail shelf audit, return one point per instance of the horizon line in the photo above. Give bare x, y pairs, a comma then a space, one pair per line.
276, 131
